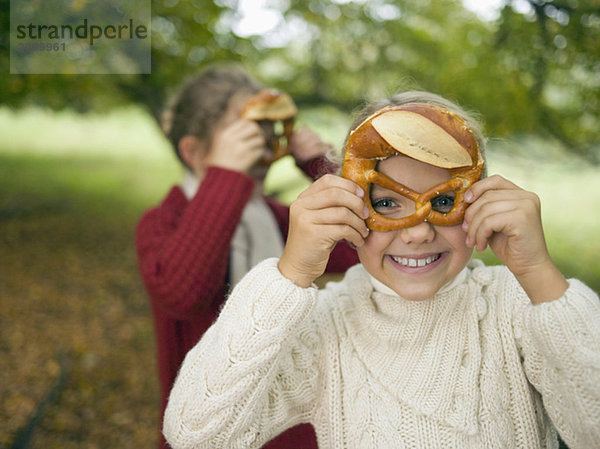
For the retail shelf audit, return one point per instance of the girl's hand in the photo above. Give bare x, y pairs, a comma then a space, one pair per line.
330, 210
508, 219
306, 145
237, 146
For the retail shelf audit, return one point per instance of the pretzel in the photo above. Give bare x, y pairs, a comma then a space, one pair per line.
423, 132
272, 105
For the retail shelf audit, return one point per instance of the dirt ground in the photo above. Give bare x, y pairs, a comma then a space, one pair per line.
76, 336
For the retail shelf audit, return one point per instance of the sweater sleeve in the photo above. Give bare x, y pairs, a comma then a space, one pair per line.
318, 166
560, 345
183, 249
253, 374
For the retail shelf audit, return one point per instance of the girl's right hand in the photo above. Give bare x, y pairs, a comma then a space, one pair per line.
237, 146
330, 210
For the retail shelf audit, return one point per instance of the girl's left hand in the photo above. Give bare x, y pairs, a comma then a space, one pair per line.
508, 219
306, 144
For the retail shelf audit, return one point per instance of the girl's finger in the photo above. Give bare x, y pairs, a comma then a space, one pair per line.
335, 197
242, 125
490, 224
494, 182
477, 222
255, 142
328, 181
491, 197
242, 129
346, 232
334, 216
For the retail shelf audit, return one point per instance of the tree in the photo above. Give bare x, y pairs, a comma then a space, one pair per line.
532, 70
552, 48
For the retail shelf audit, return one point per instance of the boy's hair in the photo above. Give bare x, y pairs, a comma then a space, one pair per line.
202, 101
415, 96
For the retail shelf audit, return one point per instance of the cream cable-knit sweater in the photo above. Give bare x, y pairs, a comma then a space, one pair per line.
477, 366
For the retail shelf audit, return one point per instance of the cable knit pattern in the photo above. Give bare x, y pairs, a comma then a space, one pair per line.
261, 371
549, 332
476, 366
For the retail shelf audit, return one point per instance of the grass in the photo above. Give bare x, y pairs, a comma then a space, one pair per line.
76, 329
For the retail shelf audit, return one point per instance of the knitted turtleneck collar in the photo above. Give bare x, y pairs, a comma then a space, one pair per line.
425, 353
459, 279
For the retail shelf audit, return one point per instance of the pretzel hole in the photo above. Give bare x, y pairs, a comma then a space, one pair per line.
278, 128
390, 203
444, 202
277, 135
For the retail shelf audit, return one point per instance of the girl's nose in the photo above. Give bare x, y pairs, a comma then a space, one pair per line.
423, 232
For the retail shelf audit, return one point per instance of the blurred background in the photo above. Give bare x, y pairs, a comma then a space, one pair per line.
82, 156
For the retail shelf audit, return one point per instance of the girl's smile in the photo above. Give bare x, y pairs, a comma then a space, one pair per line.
415, 262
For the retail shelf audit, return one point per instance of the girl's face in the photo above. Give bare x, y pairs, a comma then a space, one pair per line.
415, 262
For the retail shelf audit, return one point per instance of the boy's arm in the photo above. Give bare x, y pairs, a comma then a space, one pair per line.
184, 256
560, 346
254, 373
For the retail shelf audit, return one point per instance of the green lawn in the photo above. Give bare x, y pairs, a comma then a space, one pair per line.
75, 318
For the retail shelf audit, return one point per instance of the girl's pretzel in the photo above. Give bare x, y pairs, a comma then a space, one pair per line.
424, 132
272, 105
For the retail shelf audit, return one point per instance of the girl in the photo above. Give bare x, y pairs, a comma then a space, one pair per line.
212, 228
418, 346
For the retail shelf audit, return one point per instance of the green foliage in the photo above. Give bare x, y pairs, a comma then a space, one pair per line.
534, 69
552, 49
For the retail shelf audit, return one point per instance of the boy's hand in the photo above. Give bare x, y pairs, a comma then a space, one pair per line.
237, 146
508, 219
330, 210
306, 145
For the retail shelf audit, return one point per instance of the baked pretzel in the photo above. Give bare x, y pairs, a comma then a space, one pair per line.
423, 132
272, 106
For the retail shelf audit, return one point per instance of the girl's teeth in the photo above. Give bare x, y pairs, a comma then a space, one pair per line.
415, 262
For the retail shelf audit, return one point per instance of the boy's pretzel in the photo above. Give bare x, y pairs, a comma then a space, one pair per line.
426, 133
272, 105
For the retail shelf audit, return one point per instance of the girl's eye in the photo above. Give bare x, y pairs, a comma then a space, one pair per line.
443, 203
383, 205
